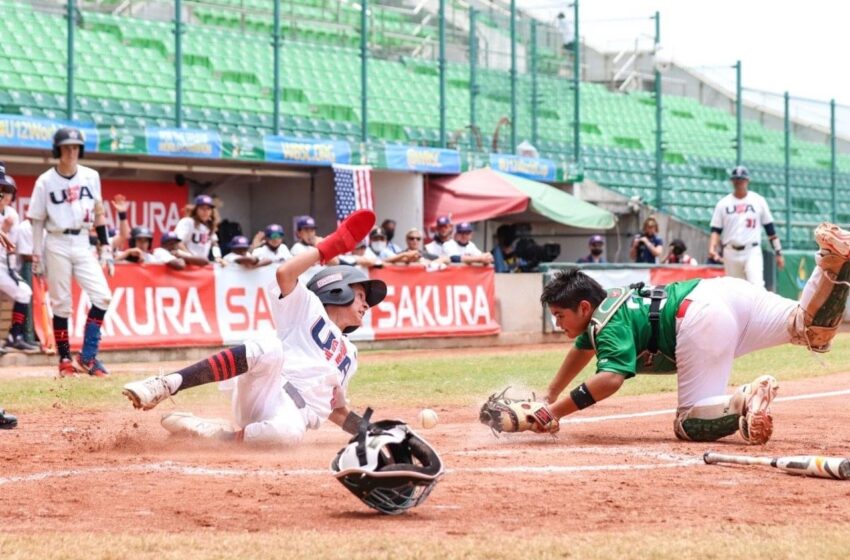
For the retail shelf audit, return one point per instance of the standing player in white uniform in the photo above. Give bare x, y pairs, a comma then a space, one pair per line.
66, 202
736, 226
293, 382
11, 282
272, 248
197, 231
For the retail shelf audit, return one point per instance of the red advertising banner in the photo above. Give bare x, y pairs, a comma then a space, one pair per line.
666, 275
153, 204
456, 301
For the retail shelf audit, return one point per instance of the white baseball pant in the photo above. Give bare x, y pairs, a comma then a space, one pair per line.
727, 318
261, 405
747, 264
67, 255
19, 291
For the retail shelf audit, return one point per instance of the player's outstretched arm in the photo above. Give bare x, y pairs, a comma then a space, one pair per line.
600, 386
573, 363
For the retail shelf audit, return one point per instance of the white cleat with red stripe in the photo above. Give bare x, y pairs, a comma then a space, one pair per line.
147, 393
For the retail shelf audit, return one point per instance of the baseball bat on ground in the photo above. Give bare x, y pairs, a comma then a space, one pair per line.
836, 468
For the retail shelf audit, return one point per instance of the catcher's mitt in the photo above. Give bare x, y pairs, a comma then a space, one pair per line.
503, 414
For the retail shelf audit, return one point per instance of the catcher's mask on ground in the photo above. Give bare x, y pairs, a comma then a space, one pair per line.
388, 466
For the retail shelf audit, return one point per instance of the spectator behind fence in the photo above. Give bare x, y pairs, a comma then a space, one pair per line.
467, 251
596, 243
305, 232
647, 246
678, 254
505, 258
361, 257
197, 231
269, 244
389, 226
442, 243
239, 247
170, 254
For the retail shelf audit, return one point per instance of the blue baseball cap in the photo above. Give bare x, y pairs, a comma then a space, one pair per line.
204, 200
595, 239
6, 180
305, 222
239, 242
168, 237
444, 221
274, 231
464, 227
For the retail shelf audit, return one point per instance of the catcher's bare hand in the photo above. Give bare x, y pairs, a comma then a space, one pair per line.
504, 414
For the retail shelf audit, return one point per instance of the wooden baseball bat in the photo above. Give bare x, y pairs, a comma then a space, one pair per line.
836, 468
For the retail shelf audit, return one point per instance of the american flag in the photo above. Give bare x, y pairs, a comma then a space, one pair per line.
353, 186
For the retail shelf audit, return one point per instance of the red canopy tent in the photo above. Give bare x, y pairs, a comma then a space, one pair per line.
471, 197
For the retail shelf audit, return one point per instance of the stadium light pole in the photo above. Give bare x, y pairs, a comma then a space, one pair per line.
576, 93
442, 64
739, 133
659, 149
69, 90
178, 64
473, 65
276, 63
787, 119
533, 81
364, 75
513, 77
832, 162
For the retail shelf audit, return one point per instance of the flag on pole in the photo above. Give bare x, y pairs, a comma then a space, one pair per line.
353, 188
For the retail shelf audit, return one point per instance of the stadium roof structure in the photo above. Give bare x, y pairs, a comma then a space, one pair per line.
485, 194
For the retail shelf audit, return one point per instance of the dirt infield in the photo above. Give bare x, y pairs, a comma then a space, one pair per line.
119, 471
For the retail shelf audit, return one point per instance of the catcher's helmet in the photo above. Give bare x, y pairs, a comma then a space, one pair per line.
739, 172
333, 286
388, 466
68, 137
7, 182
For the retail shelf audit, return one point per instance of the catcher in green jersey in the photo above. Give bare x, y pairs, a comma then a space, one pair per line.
695, 328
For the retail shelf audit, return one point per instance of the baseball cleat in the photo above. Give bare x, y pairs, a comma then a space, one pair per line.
147, 393
189, 424
756, 423
833, 239
20, 344
67, 368
93, 367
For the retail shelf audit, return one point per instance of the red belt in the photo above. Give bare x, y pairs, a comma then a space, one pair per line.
683, 308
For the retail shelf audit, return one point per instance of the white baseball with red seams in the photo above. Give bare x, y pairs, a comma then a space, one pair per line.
428, 418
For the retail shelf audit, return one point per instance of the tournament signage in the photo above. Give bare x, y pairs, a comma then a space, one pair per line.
530, 168
153, 305
183, 142
425, 160
306, 151
31, 132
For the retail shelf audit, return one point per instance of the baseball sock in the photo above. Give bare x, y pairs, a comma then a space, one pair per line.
19, 315
60, 330
218, 367
91, 333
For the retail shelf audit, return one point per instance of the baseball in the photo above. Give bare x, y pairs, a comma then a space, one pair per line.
427, 418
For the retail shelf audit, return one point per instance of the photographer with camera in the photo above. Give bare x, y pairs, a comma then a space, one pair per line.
518, 252
647, 246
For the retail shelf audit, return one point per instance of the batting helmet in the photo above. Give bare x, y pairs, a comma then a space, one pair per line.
68, 137
388, 466
739, 172
333, 286
140, 232
273, 230
7, 182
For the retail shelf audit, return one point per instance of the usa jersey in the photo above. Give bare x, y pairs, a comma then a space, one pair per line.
195, 236
741, 219
317, 359
8, 213
264, 252
447, 248
65, 202
470, 249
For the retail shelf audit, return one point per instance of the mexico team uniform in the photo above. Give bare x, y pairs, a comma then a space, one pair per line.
195, 236
264, 252
66, 205
294, 381
739, 222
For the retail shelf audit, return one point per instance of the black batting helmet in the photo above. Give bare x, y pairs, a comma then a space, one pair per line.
68, 137
140, 232
333, 286
7, 182
739, 172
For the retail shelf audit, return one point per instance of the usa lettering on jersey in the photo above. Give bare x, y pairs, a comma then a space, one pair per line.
72, 194
334, 349
740, 209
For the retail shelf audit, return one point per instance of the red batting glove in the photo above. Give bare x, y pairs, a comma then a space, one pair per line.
350, 232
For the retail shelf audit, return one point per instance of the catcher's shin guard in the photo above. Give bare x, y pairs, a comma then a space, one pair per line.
816, 319
709, 419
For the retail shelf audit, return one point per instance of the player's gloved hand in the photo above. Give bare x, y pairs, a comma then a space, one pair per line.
107, 259
503, 414
351, 231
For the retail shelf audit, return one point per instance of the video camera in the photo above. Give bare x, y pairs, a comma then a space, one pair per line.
530, 251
